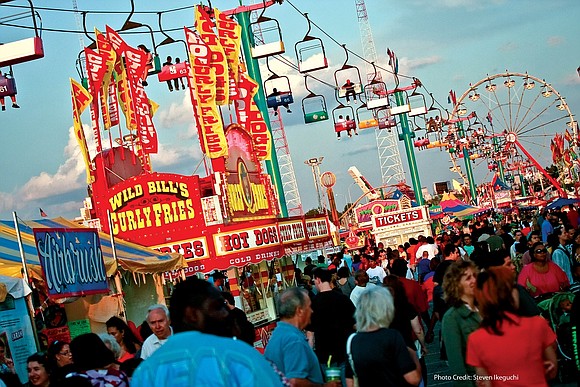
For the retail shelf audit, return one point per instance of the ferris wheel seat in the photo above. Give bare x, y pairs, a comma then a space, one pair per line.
268, 49
422, 142
7, 87
21, 51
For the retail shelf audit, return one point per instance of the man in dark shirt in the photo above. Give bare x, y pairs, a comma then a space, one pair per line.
332, 322
309, 267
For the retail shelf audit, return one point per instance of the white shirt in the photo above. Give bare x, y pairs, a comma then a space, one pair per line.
431, 249
152, 344
355, 294
376, 275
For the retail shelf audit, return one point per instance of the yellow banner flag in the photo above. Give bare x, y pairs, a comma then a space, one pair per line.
81, 99
218, 62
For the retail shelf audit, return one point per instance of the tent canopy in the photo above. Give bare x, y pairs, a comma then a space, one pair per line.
130, 256
16, 287
451, 205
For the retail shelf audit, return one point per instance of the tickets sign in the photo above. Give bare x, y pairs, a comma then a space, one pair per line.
400, 217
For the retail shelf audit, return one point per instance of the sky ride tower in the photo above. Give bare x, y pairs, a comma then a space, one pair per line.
389, 157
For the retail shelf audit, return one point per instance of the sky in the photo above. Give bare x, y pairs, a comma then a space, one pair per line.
447, 44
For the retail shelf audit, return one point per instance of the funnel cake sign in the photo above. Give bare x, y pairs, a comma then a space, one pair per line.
72, 261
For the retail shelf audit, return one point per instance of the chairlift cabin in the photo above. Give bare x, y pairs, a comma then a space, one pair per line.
271, 33
154, 66
377, 95
278, 92
314, 108
366, 119
385, 119
343, 117
24, 50
403, 108
310, 52
175, 70
7, 84
348, 80
417, 103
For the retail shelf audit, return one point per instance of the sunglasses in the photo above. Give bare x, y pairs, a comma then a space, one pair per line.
540, 251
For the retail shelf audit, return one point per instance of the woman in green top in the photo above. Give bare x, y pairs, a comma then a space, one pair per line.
460, 320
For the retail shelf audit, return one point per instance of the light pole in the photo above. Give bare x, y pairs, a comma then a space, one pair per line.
314, 163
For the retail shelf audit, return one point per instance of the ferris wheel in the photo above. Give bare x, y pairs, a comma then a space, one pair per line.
513, 125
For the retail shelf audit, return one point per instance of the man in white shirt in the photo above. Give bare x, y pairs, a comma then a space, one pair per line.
376, 273
159, 322
428, 246
361, 278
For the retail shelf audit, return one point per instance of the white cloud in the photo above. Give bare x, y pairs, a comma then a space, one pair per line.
555, 40
70, 175
176, 114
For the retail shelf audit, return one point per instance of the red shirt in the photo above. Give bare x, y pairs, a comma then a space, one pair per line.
411, 251
517, 355
415, 295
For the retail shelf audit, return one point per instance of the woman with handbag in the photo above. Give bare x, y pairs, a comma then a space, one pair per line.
378, 355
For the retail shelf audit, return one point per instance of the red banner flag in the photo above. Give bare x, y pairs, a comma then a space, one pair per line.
105, 48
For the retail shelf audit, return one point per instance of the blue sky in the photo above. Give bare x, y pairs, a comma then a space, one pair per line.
447, 44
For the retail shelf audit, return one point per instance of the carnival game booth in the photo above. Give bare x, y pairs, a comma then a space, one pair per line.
80, 277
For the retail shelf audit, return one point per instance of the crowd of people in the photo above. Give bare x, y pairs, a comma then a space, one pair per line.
357, 318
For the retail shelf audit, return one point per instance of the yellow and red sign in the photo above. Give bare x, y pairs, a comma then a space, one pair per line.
217, 57
210, 127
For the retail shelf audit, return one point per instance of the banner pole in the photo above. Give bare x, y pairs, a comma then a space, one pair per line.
26, 279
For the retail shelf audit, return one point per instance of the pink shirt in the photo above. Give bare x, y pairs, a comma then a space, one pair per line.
537, 283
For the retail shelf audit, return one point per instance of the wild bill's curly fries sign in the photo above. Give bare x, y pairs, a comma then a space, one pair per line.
72, 261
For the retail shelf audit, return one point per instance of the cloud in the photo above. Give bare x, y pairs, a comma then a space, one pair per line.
356, 151
508, 47
407, 65
176, 114
555, 40
69, 176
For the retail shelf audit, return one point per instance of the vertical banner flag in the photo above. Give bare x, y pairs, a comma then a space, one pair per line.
210, 126
96, 69
204, 26
229, 33
136, 61
250, 117
80, 100
127, 105
105, 48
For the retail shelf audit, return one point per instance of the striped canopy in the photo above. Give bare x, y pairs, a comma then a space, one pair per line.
130, 256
